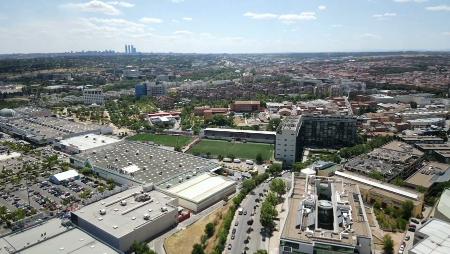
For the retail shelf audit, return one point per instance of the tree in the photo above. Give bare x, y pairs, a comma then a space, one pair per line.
278, 186
209, 229
198, 249
248, 185
259, 159
272, 198
220, 157
141, 248
407, 207
273, 124
268, 214
388, 244
413, 104
261, 252
274, 169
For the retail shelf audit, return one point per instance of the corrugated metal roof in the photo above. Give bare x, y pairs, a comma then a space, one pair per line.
438, 240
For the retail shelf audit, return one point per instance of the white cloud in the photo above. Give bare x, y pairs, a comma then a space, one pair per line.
187, 18
446, 33
148, 20
410, 1
182, 32
438, 8
337, 25
260, 15
177, 1
285, 18
122, 4
384, 16
292, 18
322, 7
94, 6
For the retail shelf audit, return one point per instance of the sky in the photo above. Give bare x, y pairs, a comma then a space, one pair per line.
224, 26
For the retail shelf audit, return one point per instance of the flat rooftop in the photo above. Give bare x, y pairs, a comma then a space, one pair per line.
290, 123
430, 173
73, 241
119, 220
145, 163
52, 237
88, 141
348, 210
401, 147
201, 187
445, 146
48, 127
420, 138
437, 238
444, 153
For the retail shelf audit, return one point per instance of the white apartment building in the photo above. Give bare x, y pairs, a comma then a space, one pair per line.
93, 96
286, 148
156, 89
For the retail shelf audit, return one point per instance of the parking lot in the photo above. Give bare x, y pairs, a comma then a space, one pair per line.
26, 190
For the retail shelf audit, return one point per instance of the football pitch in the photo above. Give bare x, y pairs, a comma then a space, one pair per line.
239, 150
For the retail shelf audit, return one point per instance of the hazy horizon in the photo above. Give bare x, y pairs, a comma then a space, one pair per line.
225, 26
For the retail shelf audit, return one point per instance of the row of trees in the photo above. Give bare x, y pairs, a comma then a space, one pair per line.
349, 152
247, 186
268, 207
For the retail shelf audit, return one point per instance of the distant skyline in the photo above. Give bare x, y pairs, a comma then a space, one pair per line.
224, 26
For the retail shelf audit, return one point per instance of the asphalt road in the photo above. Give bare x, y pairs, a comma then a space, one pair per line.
258, 240
243, 230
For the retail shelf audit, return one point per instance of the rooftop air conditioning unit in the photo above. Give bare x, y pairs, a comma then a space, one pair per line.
123, 203
146, 216
102, 211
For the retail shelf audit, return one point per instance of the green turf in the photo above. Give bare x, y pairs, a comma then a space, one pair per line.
167, 140
239, 150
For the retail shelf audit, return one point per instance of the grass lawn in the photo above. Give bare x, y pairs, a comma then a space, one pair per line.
239, 150
166, 140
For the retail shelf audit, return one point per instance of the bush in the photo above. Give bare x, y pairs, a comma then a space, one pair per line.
209, 230
198, 249
259, 159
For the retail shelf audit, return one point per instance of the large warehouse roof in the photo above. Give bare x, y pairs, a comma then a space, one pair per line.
437, 238
57, 239
444, 203
88, 141
123, 213
145, 163
201, 187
